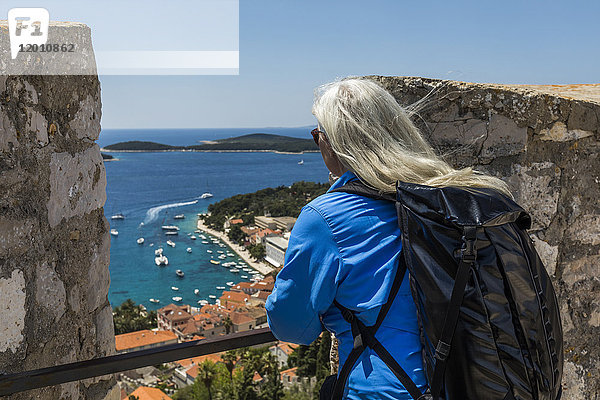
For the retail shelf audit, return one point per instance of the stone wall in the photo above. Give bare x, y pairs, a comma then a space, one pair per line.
544, 141
54, 240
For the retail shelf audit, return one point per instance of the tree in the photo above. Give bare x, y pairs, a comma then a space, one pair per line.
228, 324
236, 234
207, 373
322, 363
257, 251
272, 388
130, 317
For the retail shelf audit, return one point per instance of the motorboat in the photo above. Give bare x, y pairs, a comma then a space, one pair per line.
171, 233
206, 195
222, 256
244, 276
209, 251
220, 287
114, 232
151, 244
189, 249
215, 262
202, 236
158, 252
202, 302
179, 273
204, 242
301, 162
175, 288
177, 298
170, 228
193, 237
118, 216
230, 254
197, 231
179, 216
234, 270
140, 241
212, 296
196, 291
220, 251
229, 283
171, 243
154, 301
161, 260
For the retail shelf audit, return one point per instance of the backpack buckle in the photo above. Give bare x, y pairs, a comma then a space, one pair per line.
442, 350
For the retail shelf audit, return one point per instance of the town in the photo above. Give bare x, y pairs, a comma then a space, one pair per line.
238, 309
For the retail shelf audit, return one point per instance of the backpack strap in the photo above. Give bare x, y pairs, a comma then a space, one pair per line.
364, 336
468, 256
357, 187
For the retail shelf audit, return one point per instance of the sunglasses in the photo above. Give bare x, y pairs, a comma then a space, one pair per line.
315, 134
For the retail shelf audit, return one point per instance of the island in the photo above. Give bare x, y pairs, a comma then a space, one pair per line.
246, 143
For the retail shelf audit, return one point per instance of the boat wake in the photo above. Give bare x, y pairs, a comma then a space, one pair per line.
152, 214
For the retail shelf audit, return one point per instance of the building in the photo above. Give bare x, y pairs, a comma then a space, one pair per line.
282, 351
141, 340
148, 393
234, 299
281, 223
275, 250
242, 322
173, 316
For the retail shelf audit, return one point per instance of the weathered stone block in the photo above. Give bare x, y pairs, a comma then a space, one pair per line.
12, 304
77, 184
504, 138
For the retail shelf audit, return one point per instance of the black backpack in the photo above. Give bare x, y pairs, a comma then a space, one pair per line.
488, 315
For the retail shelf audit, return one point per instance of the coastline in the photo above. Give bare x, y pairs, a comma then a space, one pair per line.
208, 151
239, 250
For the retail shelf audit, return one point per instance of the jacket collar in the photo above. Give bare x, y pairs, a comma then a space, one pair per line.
342, 180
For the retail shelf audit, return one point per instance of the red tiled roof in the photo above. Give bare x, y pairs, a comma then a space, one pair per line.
289, 372
236, 221
235, 297
148, 393
142, 338
240, 318
187, 362
256, 377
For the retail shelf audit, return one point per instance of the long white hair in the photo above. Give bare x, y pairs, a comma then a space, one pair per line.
374, 137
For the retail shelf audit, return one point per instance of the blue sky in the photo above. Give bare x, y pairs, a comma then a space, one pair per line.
287, 48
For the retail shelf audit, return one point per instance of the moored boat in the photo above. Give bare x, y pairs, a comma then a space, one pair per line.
171, 243
179, 216
118, 216
170, 228
193, 237
220, 287
140, 240
212, 296
189, 249
179, 273
177, 298
154, 301
161, 260
215, 262
196, 291
175, 288
114, 232
171, 233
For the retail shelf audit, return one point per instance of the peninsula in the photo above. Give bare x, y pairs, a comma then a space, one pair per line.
252, 142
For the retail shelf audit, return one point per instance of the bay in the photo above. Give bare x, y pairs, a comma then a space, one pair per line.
151, 188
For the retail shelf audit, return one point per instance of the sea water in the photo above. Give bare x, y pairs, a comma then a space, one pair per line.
151, 188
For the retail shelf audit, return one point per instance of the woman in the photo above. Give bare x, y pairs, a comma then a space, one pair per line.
346, 247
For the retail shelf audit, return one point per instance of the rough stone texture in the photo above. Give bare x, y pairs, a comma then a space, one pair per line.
544, 141
54, 240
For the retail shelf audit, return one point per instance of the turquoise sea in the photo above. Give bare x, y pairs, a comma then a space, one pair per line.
151, 188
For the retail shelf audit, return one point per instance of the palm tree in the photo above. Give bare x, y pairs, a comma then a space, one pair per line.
228, 323
207, 373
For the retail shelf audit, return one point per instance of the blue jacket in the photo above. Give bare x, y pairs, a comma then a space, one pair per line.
346, 247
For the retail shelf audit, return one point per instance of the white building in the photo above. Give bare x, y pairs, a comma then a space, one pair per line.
275, 250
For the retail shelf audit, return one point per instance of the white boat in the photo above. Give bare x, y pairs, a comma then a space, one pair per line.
189, 249
179, 273
118, 216
177, 298
220, 287
204, 242
154, 301
209, 251
301, 162
161, 260
179, 216
140, 241
234, 270
246, 269
175, 288
229, 283
206, 195
244, 276
170, 228
202, 302
215, 262
171, 233
171, 243
193, 237
219, 251
151, 244
230, 255
196, 291
114, 232
197, 231
158, 252
222, 256
202, 236
212, 296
